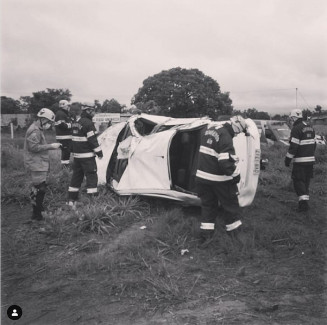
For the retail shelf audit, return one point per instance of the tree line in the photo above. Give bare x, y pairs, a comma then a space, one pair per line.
50, 98
176, 92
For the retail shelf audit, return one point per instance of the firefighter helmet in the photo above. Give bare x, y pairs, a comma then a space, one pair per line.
46, 113
296, 113
64, 104
87, 105
238, 124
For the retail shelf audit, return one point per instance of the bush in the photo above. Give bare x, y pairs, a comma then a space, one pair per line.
107, 213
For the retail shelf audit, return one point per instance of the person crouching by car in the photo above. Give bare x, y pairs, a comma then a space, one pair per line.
85, 148
217, 177
36, 159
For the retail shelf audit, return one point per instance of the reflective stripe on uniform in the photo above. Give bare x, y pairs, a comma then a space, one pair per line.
207, 226
223, 156
97, 149
89, 134
304, 159
84, 155
79, 139
59, 122
208, 151
63, 137
304, 198
295, 140
73, 189
289, 155
213, 177
305, 142
65, 162
233, 225
91, 190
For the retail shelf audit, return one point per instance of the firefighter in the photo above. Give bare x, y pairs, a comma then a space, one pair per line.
302, 151
36, 158
63, 131
217, 177
85, 147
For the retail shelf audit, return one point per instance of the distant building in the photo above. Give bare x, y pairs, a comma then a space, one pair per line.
103, 120
18, 120
319, 119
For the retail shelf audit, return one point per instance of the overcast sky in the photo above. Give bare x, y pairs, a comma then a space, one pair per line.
258, 50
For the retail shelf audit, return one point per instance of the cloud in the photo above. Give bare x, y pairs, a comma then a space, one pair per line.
260, 51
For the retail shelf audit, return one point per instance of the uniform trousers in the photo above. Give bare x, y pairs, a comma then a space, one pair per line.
37, 193
301, 175
83, 167
213, 193
66, 146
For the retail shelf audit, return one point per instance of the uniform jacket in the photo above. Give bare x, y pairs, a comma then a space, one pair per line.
36, 155
302, 144
63, 125
217, 160
84, 139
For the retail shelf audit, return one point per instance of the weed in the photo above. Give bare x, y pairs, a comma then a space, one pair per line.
107, 213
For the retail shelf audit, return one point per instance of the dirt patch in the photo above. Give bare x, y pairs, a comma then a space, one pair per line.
285, 286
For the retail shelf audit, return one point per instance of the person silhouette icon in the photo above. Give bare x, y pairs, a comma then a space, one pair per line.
14, 312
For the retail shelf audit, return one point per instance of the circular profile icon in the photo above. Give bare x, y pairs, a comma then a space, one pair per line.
14, 312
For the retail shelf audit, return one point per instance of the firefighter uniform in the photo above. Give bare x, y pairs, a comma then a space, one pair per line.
85, 147
36, 159
302, 151
63, 134
217, 177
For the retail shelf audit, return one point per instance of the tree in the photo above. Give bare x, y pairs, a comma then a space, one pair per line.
254, 114
150, 107
280, 117
318, 109
183, 93
111, 106
306, 113
48, 98
10, 106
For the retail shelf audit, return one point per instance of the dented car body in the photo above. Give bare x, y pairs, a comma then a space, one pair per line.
157, 156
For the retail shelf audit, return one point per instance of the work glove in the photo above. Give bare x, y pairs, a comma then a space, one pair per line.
55, 145
99, 154
236, 179
287, 161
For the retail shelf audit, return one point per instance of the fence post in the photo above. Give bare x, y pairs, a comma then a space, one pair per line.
12, 130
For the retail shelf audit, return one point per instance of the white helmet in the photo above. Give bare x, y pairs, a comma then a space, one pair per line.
87, 105
296, 112
46, 113
64, 104
238, 124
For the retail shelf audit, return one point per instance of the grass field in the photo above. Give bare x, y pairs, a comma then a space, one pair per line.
119, 260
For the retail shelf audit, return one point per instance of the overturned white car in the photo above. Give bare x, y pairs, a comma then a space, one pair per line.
157, 156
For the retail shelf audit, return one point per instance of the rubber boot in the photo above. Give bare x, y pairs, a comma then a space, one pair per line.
303, 206
37, 213
39, 208
39, 200
205, 238
237, 235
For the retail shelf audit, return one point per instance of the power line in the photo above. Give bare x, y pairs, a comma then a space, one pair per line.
261, 91
308, 106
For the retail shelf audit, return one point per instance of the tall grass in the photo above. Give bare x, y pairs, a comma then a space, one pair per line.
104, 234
